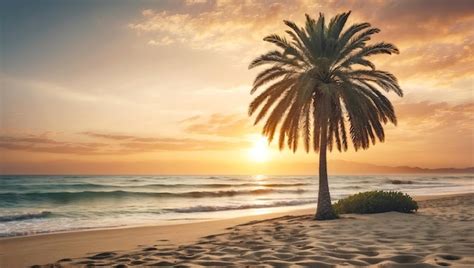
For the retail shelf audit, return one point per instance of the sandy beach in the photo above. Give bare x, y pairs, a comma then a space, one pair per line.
440, 234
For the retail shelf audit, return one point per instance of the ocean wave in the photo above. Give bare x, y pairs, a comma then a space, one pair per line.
350, 187
244, 206
71, 186
213, 178
26, 216
398, 182
85, 195
450, 177
221, 185
25, 187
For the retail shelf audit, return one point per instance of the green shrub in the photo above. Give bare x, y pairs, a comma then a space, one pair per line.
376, 202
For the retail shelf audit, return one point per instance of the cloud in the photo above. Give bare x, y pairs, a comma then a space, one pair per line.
439, 115
227, 125
194, 2
221, 25
46, 88
107, 136
415, 111
147, 12
412, 21
230, 20
133, 144
440, 128
39, 143
180, 145
434, 36
163, 41
27, 139
17, 84
443, 62
428, 134
77, 149
113, 144
457, 119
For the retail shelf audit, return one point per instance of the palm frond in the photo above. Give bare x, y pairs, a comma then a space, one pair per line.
320, 76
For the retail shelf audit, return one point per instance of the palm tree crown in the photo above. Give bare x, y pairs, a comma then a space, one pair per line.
321, 81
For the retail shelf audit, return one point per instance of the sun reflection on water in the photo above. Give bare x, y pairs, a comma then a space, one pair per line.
261, 180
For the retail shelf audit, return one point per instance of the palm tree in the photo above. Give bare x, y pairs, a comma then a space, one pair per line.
321, 83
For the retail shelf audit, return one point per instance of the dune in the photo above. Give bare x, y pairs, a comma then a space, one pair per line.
439, 234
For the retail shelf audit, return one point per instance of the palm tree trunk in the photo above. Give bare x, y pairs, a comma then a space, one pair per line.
325, 210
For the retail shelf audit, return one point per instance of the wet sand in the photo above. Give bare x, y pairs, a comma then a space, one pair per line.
440, 234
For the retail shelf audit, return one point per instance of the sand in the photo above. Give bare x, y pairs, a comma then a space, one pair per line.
440, 234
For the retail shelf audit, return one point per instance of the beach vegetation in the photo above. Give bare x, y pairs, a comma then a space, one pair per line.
376, 202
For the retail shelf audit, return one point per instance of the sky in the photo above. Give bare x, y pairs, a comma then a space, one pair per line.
161, 87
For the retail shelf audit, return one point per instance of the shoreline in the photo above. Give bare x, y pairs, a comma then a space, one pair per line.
296, 211
278, 210
47, 248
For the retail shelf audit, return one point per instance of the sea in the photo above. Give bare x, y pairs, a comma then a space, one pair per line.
44, 204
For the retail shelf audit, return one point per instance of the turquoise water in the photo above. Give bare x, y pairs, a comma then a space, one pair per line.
41, 204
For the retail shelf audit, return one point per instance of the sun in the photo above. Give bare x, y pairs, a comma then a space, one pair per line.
259, 152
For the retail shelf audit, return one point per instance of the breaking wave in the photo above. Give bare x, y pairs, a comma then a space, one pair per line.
85, 195
244, 206
26, 216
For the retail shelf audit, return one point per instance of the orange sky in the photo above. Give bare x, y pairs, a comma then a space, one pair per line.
140, 87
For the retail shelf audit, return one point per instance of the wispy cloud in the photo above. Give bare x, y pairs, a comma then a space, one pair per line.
38, 143
435, 37
222, 24
46, 88
228, 125
108, 136
436, 127
194, 2
58, 91
113, 144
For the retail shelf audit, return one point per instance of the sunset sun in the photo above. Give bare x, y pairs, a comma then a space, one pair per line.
259, 152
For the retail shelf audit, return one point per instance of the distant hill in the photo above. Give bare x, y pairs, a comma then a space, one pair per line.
341, 166
348, 167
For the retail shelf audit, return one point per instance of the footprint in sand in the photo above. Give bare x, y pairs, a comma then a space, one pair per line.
406, 258
150, 249
103, 255
450, 257
163, 263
